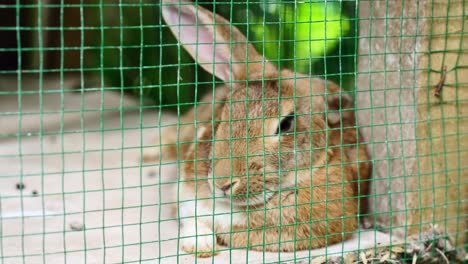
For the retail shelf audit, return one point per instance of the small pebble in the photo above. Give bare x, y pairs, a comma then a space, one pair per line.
152, 174
20, 186
76, 226
34, 193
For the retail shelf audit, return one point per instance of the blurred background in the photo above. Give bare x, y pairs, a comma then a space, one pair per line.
125, 45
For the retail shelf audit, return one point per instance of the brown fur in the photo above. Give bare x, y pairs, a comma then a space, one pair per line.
326, 206
312, 178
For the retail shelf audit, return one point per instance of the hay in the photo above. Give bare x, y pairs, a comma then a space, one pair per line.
429, 247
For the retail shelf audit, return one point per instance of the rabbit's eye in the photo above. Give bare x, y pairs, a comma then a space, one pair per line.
285, 124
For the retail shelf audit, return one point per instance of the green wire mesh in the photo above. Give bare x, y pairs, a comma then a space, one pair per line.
87, 88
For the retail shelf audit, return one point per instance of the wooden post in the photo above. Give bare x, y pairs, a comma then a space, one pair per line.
419, 141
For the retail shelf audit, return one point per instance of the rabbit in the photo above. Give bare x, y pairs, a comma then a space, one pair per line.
269, 160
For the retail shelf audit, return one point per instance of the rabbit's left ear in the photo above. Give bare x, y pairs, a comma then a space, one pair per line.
219, 47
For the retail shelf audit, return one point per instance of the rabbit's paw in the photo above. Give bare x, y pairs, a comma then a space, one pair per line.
202, 246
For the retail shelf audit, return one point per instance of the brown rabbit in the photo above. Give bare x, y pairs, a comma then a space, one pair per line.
270, 160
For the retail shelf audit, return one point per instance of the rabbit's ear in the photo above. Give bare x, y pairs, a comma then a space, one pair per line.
213, 42
340, 109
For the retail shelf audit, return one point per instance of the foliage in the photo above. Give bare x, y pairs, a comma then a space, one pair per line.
137, 52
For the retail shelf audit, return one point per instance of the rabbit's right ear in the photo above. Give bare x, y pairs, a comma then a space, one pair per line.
340, 109
212, 41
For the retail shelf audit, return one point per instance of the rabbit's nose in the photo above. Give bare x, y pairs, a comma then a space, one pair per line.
225, 188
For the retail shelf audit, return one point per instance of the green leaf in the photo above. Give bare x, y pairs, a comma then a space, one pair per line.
299, 34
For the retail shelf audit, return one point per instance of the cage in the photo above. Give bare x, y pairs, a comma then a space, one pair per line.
109, 108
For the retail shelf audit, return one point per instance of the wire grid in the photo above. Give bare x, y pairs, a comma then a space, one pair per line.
77, 120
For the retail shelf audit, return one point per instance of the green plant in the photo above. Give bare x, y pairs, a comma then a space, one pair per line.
136, 52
